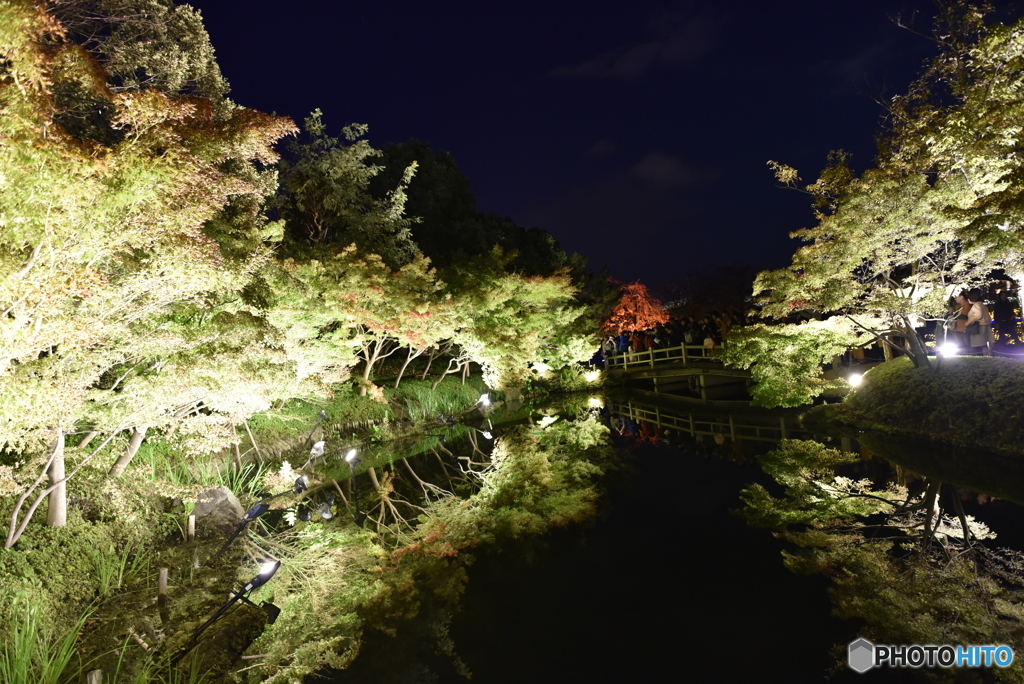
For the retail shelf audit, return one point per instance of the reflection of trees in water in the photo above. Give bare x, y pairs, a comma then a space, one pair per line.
913, 573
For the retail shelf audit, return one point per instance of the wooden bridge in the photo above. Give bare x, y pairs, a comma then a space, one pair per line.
690, 368
685, 354
723, 422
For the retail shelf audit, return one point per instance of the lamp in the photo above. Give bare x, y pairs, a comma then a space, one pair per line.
267, 570
261, 507
855, 379
353, 462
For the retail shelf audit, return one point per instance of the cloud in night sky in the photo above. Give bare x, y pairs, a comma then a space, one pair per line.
680, 44
665, 171
658, 195
602, 148
859, 73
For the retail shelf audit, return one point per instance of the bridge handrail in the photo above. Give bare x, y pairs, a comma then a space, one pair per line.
707, 426
650, 357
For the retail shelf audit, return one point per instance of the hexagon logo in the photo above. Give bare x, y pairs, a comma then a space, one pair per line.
861, 655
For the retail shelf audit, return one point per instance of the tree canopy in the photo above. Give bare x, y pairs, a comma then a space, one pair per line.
940, 212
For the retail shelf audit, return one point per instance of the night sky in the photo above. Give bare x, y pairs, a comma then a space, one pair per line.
637, 133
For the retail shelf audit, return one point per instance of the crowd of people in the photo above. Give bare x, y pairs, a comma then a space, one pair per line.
708, 331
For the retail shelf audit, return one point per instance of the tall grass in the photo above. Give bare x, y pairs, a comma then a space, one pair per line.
206, 472
451, 396
115, 568
32, 653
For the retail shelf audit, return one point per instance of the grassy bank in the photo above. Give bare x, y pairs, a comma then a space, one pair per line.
91, 585
969, 401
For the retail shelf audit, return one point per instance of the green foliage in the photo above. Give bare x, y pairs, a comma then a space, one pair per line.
147, 44
448, 228
965, 400
943, 208
422, 403
327, 200
786, 360
33, 652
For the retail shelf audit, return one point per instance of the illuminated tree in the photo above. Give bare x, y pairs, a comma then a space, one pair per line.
509, 321
104, 242
637, 309
942, 210
327, 202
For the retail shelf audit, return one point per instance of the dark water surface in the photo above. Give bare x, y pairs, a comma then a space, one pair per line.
666, 584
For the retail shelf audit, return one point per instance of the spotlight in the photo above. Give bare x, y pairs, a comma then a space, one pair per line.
949, 349
255, 512
301, 485
317, 450
855, 379
485, 399
592, 376
353, 459
267, 570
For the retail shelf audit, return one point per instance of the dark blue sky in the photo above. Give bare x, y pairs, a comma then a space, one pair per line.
637, 133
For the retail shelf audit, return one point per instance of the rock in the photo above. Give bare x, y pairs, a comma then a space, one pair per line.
217, 511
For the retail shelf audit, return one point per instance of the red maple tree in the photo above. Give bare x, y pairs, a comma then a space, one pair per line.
637, 309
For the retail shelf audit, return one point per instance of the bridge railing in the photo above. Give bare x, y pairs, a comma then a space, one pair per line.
651, 357
733, 427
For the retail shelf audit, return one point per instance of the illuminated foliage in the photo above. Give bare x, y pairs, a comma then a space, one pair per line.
786, 360
942, 209
636, 310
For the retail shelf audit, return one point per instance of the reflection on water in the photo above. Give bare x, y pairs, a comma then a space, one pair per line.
662, 579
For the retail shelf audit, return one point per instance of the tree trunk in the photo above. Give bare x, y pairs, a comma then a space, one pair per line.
138, 434
433, 355
409, 357
57, 503
88, 437
919, 351
448, 371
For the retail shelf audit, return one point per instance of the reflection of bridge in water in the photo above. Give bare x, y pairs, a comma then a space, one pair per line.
733, 420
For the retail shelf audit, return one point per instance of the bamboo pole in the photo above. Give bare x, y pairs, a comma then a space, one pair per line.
161, 593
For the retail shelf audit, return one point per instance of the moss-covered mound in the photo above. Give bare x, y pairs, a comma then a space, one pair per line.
972, 401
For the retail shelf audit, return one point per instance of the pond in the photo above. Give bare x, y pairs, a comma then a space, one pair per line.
664, 580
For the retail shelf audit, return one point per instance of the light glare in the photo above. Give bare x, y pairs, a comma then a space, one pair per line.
855, 380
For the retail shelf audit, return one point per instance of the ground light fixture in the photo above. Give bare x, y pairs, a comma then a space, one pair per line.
259, 508
592, 375
855, 379
485, 399
948, 349
267, 570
